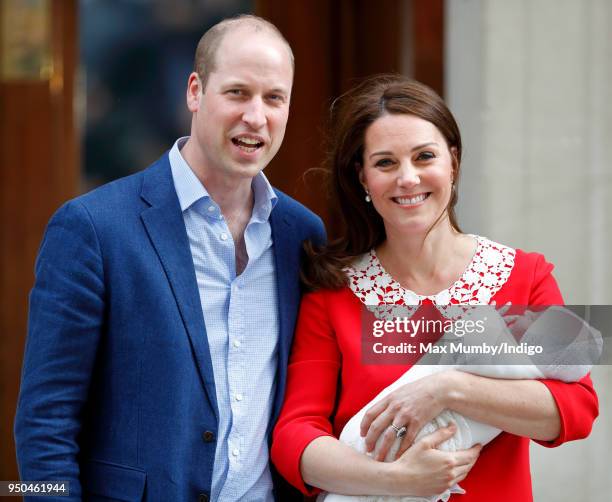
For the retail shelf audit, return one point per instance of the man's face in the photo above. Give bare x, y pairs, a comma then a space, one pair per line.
239, 120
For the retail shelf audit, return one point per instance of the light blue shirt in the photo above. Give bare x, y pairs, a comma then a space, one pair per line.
241, 318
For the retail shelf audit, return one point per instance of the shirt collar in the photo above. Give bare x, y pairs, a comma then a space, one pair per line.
189, 189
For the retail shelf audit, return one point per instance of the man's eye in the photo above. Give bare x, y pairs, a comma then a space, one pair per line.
426, 156
235, 92
276, 98
384, 163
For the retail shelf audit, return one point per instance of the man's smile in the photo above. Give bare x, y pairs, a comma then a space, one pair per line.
248, 143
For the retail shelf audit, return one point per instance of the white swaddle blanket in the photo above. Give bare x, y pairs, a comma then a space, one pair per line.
570, 348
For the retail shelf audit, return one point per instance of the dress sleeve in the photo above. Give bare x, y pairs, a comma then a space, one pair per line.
312, 380
544, 287
577, 402
578, 408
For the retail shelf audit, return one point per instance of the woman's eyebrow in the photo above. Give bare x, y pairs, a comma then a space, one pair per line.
418, 147
381, 153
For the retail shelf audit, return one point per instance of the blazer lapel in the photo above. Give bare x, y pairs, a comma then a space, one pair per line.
166, 229
287, 261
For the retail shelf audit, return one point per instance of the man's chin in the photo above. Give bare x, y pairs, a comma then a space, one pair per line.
242, 170
252, 165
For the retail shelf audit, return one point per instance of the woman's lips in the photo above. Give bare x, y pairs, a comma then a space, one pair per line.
411, 200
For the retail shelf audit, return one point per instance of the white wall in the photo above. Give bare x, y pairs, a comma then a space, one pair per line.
530, 82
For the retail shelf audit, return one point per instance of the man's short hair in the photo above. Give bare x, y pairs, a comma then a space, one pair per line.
205, 57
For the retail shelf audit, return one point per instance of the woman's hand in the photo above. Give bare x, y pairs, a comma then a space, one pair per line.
410, 406
423, 470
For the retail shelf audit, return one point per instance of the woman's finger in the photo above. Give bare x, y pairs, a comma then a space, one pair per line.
469, 456
377, 427
371, 415
438, 437
510, 318
461, 472
388, 437
412, 429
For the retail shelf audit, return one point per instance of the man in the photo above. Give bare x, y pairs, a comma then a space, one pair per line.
165, 302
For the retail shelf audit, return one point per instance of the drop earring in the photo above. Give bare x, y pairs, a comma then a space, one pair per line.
367, 197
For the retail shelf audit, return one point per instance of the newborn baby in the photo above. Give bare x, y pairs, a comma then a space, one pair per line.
570, 347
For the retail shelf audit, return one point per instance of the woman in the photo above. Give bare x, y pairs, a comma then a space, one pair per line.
395, 161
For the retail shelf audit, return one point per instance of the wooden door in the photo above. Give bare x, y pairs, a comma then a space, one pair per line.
38, 168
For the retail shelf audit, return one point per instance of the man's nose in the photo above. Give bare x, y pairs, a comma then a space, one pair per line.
255, 115
407, 175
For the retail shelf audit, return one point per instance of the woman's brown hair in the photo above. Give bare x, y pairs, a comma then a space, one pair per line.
351, 114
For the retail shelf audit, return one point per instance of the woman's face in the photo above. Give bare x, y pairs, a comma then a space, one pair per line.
408, 171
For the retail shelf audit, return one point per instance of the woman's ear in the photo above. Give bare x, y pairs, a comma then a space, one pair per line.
455, 161
360, 174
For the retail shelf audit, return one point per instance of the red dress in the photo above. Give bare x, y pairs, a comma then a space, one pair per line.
327, 383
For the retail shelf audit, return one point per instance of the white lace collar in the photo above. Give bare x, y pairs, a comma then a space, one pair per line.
484, 276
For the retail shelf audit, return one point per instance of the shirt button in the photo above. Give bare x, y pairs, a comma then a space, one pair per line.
235, 452
239, 397
211, 209
208, 436
203, 497
237, 343
223, 236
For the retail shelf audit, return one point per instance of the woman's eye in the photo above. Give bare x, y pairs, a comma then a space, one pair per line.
384, 163
425, 156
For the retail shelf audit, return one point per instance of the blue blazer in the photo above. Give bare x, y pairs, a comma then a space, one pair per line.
117, 393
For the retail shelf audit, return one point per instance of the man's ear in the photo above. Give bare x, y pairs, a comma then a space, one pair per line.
194, 92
